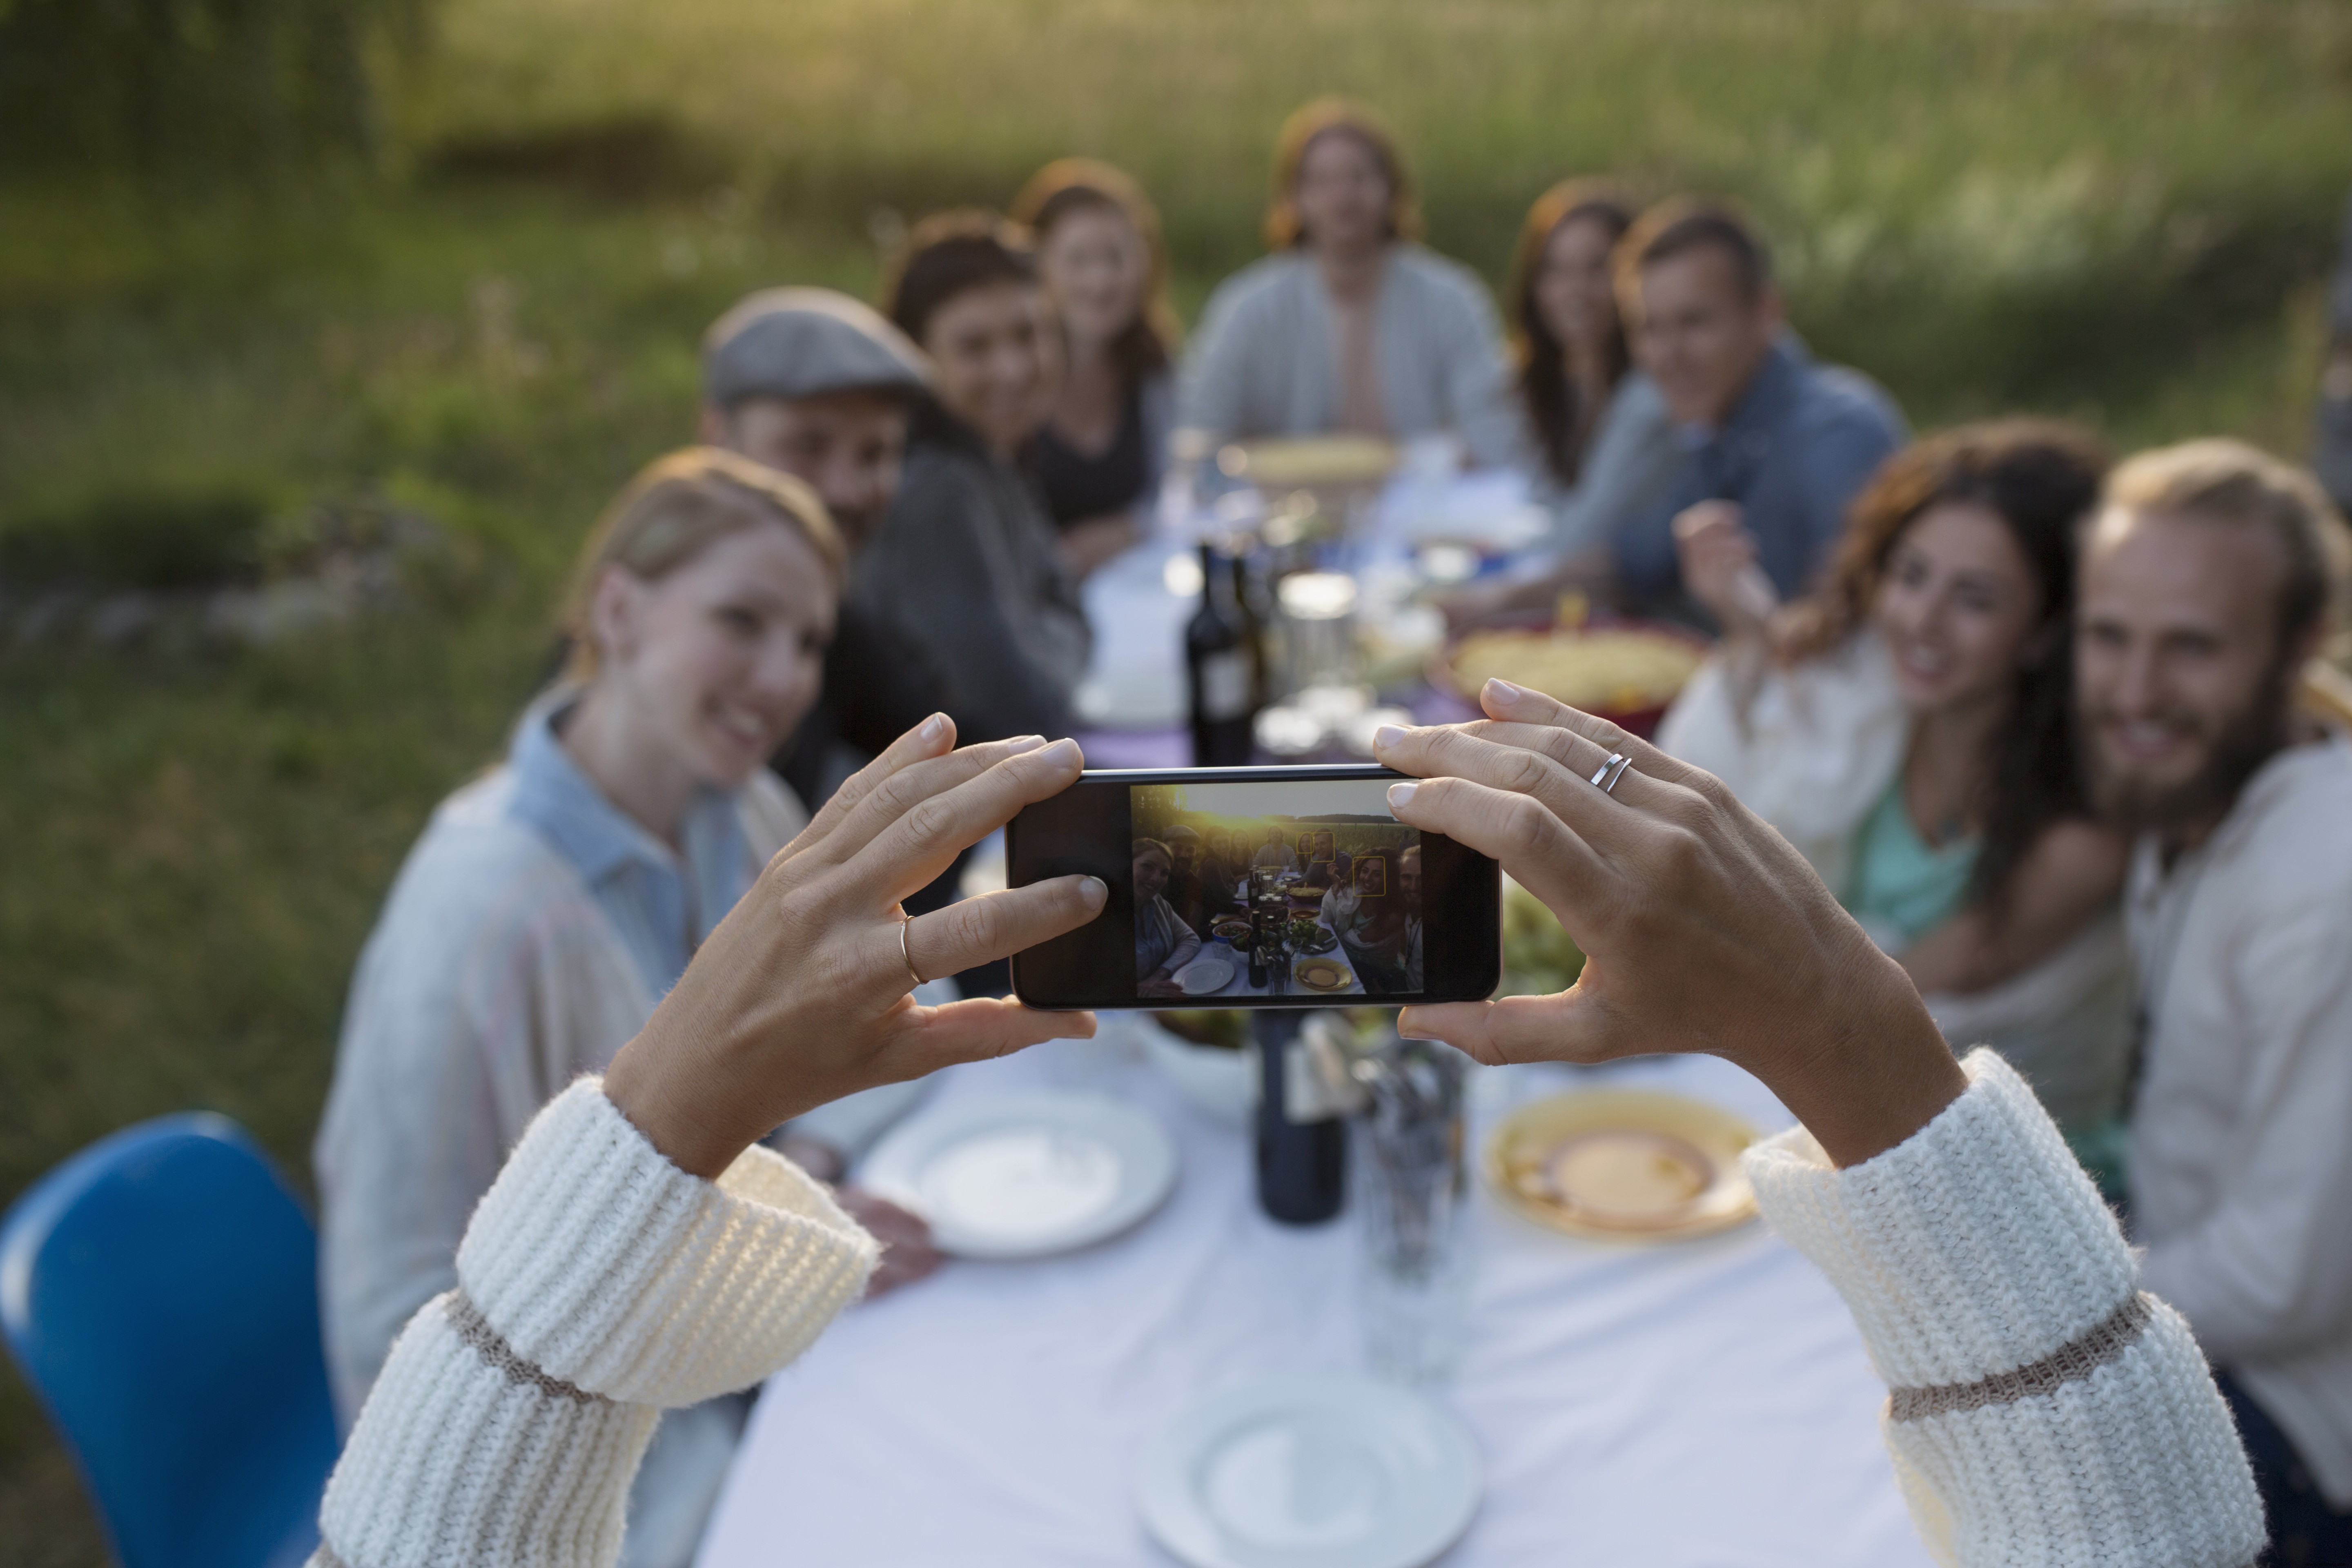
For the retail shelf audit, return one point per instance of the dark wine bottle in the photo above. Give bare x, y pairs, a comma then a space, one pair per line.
1248, 593
1301, 1163
1220, 671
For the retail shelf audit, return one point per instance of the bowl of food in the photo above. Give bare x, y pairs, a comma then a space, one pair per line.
1626, 671
1230, 929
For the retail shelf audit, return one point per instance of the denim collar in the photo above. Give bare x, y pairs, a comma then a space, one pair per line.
662, 903
554, 795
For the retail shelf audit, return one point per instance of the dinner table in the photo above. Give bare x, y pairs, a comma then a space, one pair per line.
1693, 1405
1282, 981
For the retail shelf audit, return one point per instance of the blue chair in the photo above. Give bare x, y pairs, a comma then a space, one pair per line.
160, 1292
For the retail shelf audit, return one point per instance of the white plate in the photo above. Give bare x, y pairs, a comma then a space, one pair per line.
1204, 975
1024, 1175
1310, 1472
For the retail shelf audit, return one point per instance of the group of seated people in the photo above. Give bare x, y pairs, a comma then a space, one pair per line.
2027, 714
1185, 878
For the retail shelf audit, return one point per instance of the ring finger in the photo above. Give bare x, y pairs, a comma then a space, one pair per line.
1530, 767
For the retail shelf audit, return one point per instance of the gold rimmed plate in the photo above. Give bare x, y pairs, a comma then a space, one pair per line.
1321, 974
1291, 462
1623, 1165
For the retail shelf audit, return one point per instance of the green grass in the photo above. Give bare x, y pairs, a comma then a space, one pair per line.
2120, 213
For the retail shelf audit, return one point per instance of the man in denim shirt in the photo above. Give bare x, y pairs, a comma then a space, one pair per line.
1775, 445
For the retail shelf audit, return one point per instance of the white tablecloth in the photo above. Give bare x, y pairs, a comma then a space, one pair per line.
1705, 1405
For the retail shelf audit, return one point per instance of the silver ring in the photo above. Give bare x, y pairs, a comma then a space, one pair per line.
1607, 774
904, 921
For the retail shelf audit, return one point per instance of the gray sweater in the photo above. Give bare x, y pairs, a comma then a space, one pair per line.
1267, 363
963, 564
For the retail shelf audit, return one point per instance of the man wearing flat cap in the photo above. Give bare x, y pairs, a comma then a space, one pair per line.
810, 381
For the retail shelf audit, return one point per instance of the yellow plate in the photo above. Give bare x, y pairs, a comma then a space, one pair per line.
1623, 1165
1320, 974
1290, 462
1615, 669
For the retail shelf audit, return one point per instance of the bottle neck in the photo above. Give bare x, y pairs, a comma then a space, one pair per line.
1217, 581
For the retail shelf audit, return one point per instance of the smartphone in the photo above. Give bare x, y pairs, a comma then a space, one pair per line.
1285, 886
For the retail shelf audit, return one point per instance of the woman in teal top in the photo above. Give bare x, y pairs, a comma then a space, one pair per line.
1900, 880
1908, 724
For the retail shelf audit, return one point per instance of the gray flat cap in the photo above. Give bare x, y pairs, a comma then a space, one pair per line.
804, 342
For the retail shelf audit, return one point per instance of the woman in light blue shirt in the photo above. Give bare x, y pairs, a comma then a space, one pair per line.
552, 902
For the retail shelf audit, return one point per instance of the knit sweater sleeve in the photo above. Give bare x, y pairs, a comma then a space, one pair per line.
2043, 1409
597, 1284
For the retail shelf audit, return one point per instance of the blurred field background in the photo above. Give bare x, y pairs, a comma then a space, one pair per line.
267, 263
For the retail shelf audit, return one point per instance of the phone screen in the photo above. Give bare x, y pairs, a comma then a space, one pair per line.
1252, 887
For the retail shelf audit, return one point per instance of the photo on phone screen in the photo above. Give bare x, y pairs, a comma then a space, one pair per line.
1242, 887
1207, 856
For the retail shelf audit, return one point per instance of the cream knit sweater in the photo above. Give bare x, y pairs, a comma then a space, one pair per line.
597, 1285
2044, 1411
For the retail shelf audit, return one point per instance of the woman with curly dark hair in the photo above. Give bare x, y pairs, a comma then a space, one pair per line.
1908, 728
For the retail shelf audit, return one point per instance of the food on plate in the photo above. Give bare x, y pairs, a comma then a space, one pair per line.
1283, 462
1320, 974
1231, 931
1618, 669
1539, 957
1311, 936
1226, 1029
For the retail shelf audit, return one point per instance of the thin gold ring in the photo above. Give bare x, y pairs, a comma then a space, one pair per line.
904, 957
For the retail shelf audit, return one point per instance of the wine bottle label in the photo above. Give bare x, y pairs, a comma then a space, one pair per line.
1224, 685
1308, 1092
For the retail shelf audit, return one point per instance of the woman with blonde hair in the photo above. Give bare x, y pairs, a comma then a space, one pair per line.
1351, 324
552, 902
1099, 455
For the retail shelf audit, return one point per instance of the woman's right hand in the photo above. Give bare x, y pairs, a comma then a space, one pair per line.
800, 997
1703, 929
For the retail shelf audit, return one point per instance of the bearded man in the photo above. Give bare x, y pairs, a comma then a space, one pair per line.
2210, 575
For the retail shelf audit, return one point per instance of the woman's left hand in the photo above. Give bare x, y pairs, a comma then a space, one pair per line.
800, 997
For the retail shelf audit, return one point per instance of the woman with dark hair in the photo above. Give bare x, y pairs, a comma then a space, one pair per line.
964, 561
1349, 325
1605, 441
1908, 729
1099, 455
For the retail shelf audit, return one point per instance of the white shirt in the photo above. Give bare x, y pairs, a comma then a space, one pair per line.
2241, 1145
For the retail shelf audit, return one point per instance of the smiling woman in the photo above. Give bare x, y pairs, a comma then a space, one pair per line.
552, 902
1908, 728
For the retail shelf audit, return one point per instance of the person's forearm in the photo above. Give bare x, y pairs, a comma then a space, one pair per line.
597, 1284
2042, 1408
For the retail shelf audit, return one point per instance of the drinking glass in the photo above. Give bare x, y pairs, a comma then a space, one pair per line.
1413, 1204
